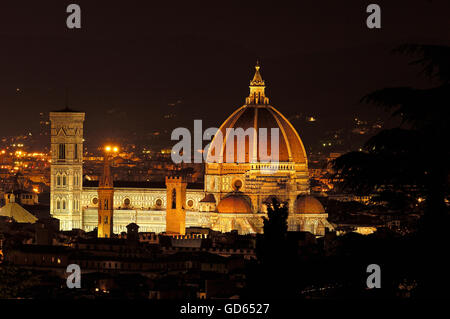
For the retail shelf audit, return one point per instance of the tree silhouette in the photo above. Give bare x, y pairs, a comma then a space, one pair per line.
403, 165
273, 242
273, 275
409, 161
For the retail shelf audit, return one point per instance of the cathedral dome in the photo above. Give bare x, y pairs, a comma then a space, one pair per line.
234, 204
308, 205
257, 114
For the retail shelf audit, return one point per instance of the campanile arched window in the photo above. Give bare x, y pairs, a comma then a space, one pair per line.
62, 151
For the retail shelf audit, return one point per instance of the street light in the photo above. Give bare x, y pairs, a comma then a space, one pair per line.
111, 149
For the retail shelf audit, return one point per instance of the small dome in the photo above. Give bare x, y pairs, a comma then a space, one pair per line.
308, 205
234, 204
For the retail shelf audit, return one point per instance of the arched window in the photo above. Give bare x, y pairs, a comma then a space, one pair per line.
64, 180
58, 180
62, 151
237, 185
63, 204
58, 204
174, 198
106, 204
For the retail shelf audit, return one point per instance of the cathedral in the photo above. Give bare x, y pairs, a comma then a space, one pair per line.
234, 196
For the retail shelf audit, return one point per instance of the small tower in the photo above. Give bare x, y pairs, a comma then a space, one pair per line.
105, 199
10, 198
133, 233
175, 211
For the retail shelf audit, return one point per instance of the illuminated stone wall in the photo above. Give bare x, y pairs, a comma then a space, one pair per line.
66, 170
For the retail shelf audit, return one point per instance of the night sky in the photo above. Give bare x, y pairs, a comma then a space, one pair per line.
132, 62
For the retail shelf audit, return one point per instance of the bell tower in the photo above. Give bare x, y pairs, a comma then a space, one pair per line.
106, 198
175, 211
66, 172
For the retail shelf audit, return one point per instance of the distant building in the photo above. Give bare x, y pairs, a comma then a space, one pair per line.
23, 197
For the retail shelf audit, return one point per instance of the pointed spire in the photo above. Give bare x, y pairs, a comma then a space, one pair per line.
106, 180
257, 86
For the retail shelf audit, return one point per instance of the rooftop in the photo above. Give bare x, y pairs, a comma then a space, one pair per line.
133, 184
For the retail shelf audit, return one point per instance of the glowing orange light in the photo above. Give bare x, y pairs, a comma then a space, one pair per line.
115, 149
108, 148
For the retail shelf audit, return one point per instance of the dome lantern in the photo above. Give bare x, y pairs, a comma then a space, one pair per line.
257, 87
